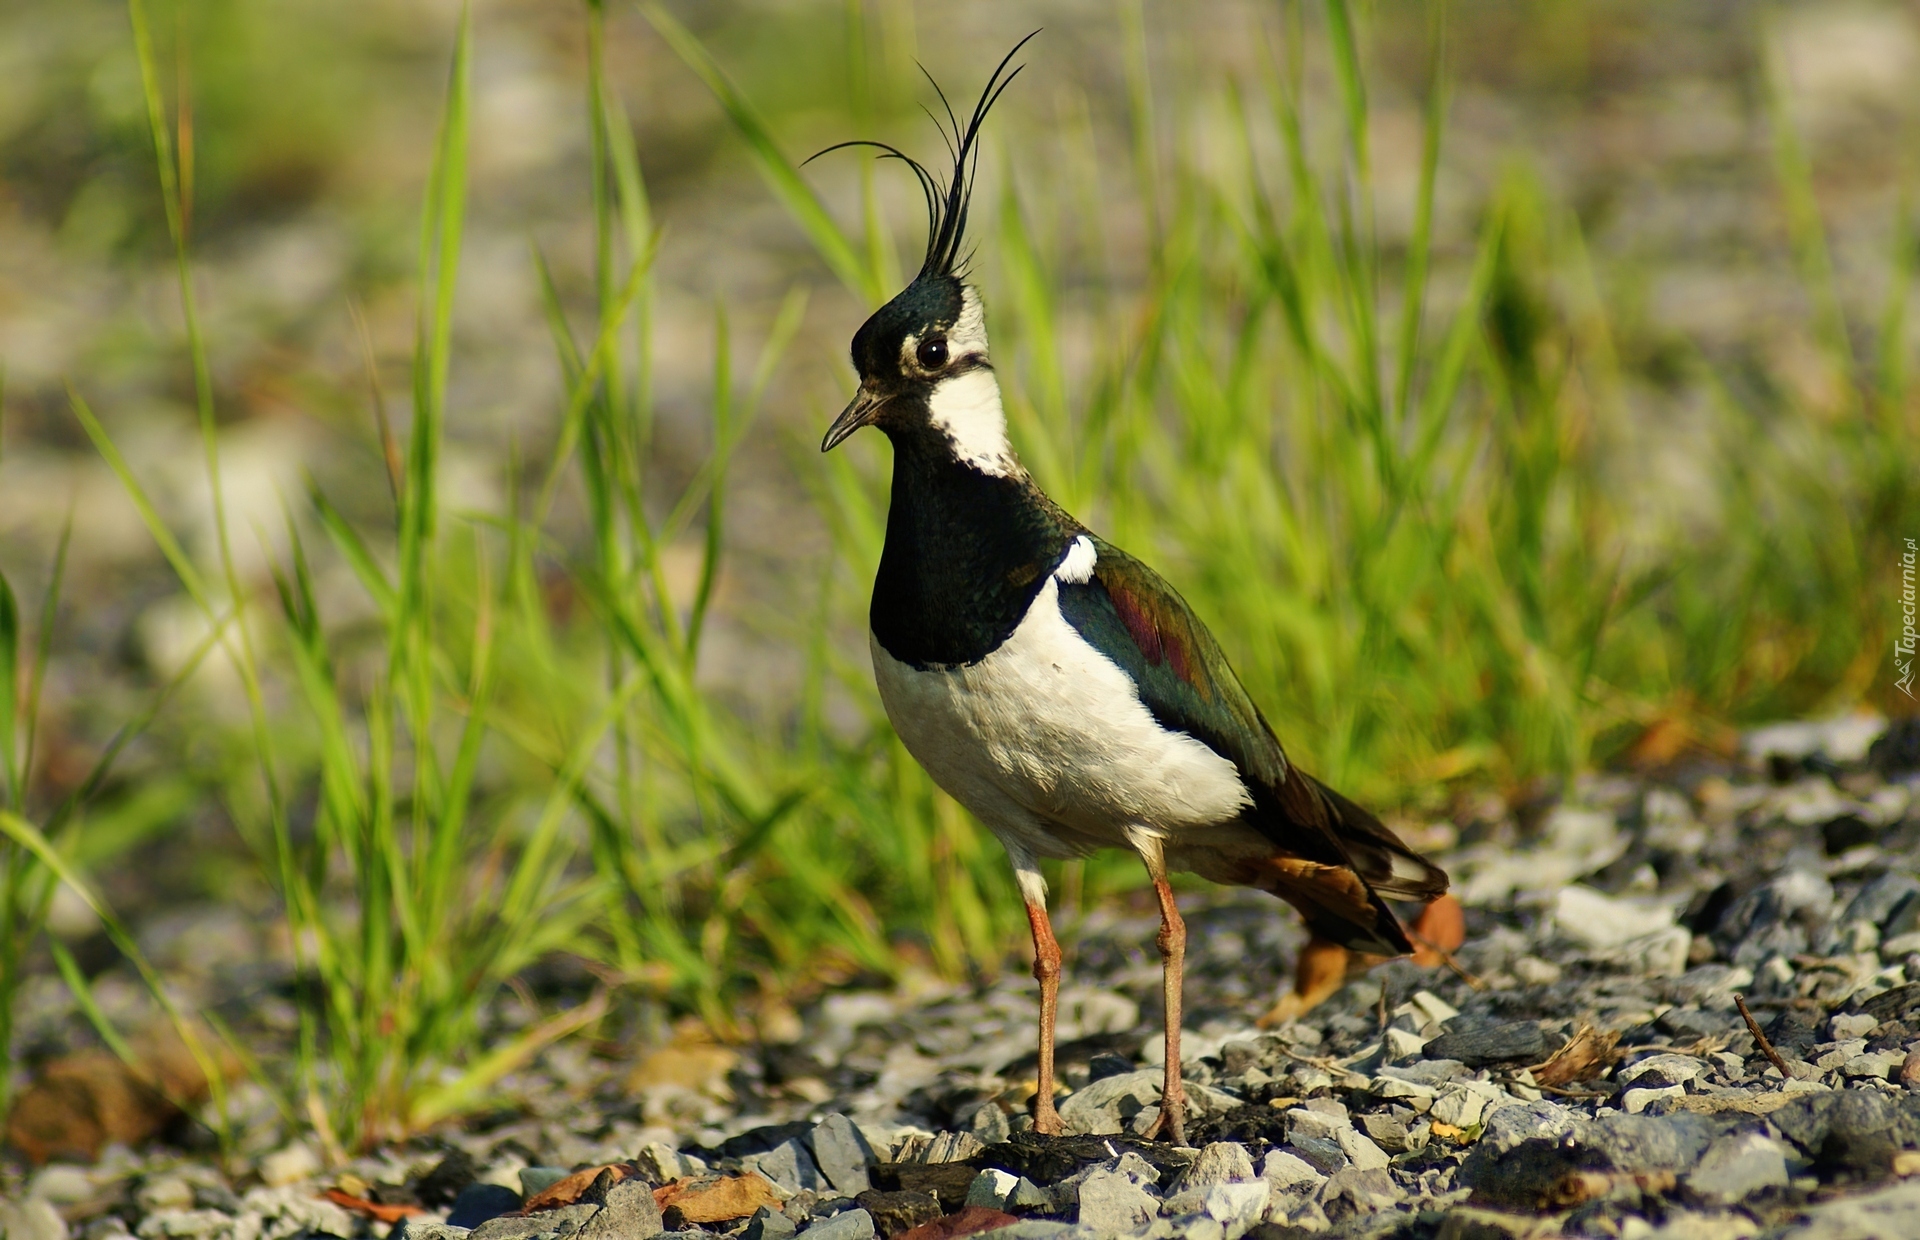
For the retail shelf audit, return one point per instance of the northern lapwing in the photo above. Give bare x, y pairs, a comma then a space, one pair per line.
1059, 688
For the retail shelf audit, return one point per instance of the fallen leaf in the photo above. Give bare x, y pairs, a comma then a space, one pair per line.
1449, 1132
370, 1209
970, 1221
714, 1199
569, 1189
1584, 1057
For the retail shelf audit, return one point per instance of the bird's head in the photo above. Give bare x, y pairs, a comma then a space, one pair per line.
922, 357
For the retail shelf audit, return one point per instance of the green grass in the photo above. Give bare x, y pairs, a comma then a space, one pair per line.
1392, 500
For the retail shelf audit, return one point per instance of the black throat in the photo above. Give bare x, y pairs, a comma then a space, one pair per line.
966, 553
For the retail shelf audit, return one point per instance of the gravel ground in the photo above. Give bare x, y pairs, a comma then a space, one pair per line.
1585, 1070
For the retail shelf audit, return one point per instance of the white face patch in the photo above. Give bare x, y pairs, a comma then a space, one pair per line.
968, 336
967, 405
1077, 568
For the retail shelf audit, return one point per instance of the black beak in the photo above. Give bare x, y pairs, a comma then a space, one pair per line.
863, 410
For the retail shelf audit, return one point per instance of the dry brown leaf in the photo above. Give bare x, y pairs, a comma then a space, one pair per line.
1585, 1056
371, 1209
569, 1189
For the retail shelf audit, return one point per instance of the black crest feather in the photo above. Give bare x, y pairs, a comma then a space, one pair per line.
948, 201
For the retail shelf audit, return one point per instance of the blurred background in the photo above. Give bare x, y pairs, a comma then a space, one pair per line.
1518, 389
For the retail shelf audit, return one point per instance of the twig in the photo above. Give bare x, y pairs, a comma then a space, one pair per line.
1760, 1039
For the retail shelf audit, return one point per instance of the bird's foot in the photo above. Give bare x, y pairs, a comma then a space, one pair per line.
1047, 1121
1172, 1124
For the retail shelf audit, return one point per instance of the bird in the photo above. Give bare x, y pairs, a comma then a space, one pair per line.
1059, 688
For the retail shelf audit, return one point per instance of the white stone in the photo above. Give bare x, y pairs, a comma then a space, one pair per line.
1851, 1025
1458, 1105
291, 1165
1360, 1149
1844, 738
1595, 920
1402, 1044
1635, 1101
1237, 1206
1433, 1009
1672, 1069
1302, 1122
32, 1219
62, 1183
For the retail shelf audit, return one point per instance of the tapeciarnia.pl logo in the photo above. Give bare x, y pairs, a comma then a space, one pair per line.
1903, 645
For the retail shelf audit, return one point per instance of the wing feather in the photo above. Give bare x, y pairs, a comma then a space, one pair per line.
1133, 616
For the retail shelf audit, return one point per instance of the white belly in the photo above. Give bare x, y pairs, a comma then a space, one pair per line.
1046, 740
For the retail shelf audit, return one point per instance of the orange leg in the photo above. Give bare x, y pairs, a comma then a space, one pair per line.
1172, 940
1046, 970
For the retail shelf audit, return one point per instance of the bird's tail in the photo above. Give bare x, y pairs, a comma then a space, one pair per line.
1342, 902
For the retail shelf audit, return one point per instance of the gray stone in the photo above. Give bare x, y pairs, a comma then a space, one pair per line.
416, 1230
1477, 1045
1879, 898
1222, 1162
1509, 1126
843, 1155
855, 1224
662, 1164
1033, 1229
1129, 1164
1320, 1125
790, 1166
627, 1214
1355, 1191
1642, 1143
951, 1147
768, 1224
1892, 1211
1113, 1202
1287, 1171
160, 1225
990, 1125
1321, 1153
991, 1188
1027, 1195
1387, 1130
1360, 1150
1656, 1071
1736, 1165
293, 1207
515, 1227
1106, 1106
479, 1202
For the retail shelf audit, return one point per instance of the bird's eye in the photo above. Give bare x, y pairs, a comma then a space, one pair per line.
932, 353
